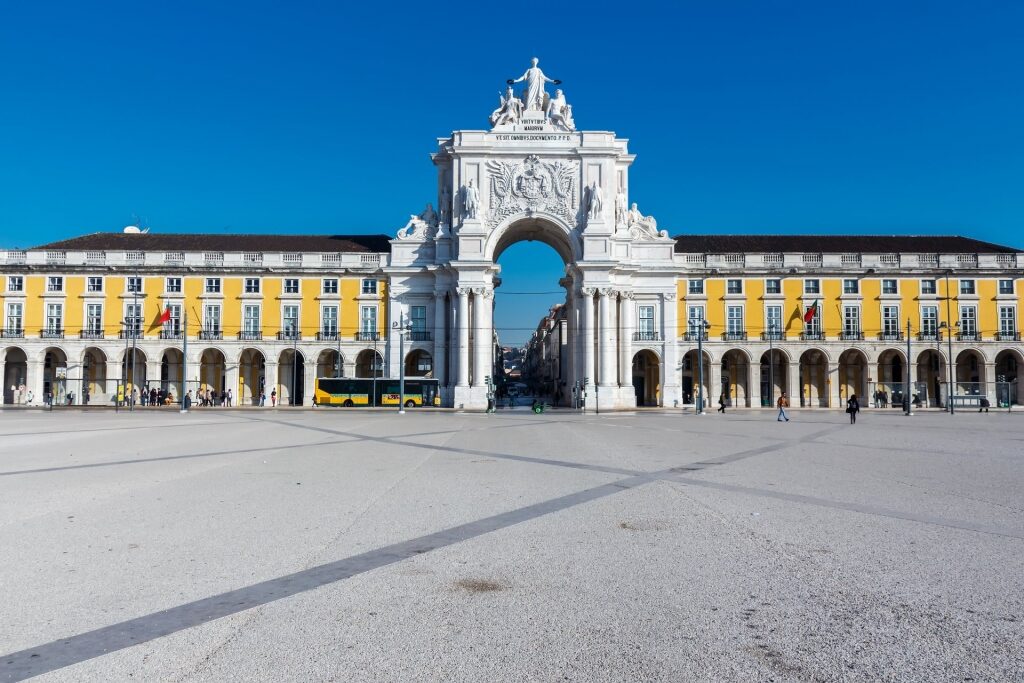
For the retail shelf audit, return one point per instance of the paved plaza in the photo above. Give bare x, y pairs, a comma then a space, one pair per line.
337, 545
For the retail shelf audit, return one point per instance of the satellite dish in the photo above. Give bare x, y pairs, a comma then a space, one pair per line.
131, 230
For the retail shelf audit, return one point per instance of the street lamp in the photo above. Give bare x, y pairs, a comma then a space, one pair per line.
771, 364
401, 327
906, 390
701, 326
949, 360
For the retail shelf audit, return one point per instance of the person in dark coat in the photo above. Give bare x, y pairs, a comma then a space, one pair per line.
853, 407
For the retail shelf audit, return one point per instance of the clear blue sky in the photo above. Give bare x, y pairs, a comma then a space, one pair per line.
820, 117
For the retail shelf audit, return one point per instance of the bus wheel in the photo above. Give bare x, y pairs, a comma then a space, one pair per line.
348, 403
410, 403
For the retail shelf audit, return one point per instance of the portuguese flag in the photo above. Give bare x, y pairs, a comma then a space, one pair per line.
811, 312
164, 317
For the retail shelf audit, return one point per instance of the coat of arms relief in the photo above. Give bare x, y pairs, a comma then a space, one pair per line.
532, 185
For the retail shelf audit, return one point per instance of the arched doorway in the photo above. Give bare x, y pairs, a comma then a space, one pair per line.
366, 365
853, 376
291, 378
171, 366
774, 376
691, 374
931, 378
647, 378
133, 373
330, 363
970, 373
890, 380
15, 376
212, 371
814, 379
736, 378
55, 375
1008, 363
94, 377
252, 377
419, 363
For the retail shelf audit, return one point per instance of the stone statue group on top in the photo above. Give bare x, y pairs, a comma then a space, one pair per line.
534, 98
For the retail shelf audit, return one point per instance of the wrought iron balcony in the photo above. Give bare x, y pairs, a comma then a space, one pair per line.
890, 336
772, 336
211, 335
289, 335
812, 336
734, 336
851, 335
129, 334
1008, 337
419, 335
968, 336
364, 335
12, 333
327, 335
51, 333
647, 336
694, 335
91, 334
170, 334
929, 336
250, 336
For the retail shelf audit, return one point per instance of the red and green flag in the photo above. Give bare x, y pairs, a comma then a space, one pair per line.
811, 312
164, 317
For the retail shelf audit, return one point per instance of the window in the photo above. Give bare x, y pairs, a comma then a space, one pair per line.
54, 318
213, 285
813, 328
968, 320
695, 287
94, 318
173, 285
15, 283
290, 318
211, 318
929, 321
330, 285
695, 315
734, 286
14, 317
734, 320
890, 321
329, 320
251, 321
252, 285
773, 321
967, 286
133, 318
773, 286
369, 287
645, 323
418, 321
133, 285
172, 327
55, 283
291, 285
890, 287
1006, 286
812, 286
928, 287
851, 321
368, 317
94, 284
851, 287
1007, 320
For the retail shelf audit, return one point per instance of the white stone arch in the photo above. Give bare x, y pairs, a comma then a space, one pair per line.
982, 353
538, 226
739, 388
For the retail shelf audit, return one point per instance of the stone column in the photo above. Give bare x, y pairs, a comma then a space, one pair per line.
270, 373
627, 320
832, 385
606, 340
672, 388
569, 372
793, 387
990, 383
231, 380
463, 350
714, 385
587, 302
483, 334
309, 382
150, 374
440, 340
34, 381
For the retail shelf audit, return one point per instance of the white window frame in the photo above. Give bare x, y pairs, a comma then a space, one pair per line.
363, 327
814, 327
972, 285
59, 317
730, 327
129, 282
856, 285
55, 283
94, 279
1008, 324
891, 323
972, 318
90, 318
728, 284
216, 329
324, 289
1000, 286
689, 314
896, 284
930, 323
213, 285
246, 327
780, 323
252, 285
287, 282
817, 286
133, 317
767, 285
418, 323
173, 324
20, 327
368, 286
285, 317
857, 328
932, 285
699, 289
324, 319
171, 282
11, 279
641, 326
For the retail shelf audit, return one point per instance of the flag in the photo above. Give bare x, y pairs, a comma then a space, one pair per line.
809, 315
164, 317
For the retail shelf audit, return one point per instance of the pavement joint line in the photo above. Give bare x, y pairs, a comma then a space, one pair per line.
51, 432
64, 652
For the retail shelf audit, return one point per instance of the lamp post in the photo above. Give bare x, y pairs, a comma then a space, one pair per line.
949, 359
906, 392
401, 326
771, 364
701, 325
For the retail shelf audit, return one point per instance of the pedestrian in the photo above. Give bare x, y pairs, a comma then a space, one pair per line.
721, 403
853, 407
263, 398
273, 398
782, 404
227, 401
983, 404
186, 402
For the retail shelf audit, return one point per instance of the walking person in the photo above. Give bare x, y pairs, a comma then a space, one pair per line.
228, 399
721, 403
853, 407
782, 404
273, 398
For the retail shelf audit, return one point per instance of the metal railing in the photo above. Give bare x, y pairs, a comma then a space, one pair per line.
250, 336
210, 335
288, 335
91, 334
12, 334
367, 336
419, 335
772, 336
694, 335
812, 336
1008, 336
890, 336
735, 335
851, 335
51, 333
647, 336
170, 334
968, 336
130, 334
929, 336
327, 335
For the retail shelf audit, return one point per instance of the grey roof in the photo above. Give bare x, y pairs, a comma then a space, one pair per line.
868, 244
155, 241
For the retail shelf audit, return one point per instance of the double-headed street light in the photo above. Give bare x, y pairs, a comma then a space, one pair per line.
401, 327
701, 325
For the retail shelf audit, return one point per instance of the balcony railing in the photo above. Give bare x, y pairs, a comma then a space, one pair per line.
91, 334
51, 333
327, 335
419, 335
288, 335
929, 336
812, 336
772, 336
1008, 336
851, 335
170, 334
367, 336
694, 335
211, 335
968, 336
12, 333
647, 336
890, 336
129, 334
250, 336
734, 336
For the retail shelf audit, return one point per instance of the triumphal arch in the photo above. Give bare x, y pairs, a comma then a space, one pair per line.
533, 175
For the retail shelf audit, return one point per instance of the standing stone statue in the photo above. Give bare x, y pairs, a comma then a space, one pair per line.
446, 205
535, 80
620, 208
470, 200
594, 201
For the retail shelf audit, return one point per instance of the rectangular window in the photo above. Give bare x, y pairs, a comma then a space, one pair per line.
15, 283
368, 318
928, 287
890, 321
1006, 286
773, 286
734, 320
695, 315
172, 327
251, 320
695, 287
211, 318
329, 320
967, 286
645, 323
213, 285
813, 328
14, 317
773, 321
54, 318
173, 285
94, 284
94, 318
929, 321
330, 285
133, 285
851, 287
291, 285
851, 322
1007, 320
968, 321
734, 286
890, 287
55, 283
252, 285
133, 318
418, 319
812, 286
290, 318
369, 287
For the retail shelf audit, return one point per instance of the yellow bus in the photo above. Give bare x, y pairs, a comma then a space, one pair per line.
384, 391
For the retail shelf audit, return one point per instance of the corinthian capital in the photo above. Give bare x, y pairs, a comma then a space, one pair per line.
588, 291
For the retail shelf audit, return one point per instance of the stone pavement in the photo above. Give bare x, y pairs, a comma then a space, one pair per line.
350, 546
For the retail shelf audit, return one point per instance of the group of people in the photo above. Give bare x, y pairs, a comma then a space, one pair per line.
211, 398
154, 397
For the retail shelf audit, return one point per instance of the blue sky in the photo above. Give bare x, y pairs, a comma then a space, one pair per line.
876, 117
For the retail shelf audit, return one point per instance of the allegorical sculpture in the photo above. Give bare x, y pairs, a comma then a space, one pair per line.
510, 109
534, 96
533, 99
594, 201
641, 226
533, 185
470, 200
621, 216
560, 112
419, 227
